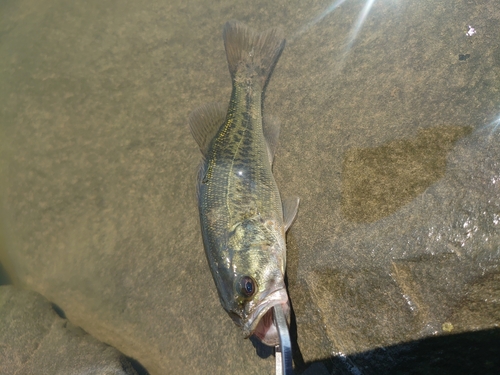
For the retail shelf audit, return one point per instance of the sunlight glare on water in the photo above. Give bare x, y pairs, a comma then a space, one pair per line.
493, 127
358, 24
352, 34
316, 19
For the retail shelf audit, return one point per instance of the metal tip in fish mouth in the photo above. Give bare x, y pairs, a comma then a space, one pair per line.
266, 330
261, 322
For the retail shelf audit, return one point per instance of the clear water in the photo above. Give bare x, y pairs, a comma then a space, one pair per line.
389, 135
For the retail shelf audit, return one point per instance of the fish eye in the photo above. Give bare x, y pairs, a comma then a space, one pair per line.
246, 287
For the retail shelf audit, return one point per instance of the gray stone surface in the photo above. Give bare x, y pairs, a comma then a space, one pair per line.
389, 141
35, 340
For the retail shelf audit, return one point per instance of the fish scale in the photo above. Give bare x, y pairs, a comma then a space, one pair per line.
243, 219
240, 147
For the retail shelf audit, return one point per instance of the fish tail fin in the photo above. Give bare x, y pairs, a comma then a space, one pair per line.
259, 52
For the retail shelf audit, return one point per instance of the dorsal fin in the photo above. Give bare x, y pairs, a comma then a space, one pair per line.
290, 208
205, 122
271, 129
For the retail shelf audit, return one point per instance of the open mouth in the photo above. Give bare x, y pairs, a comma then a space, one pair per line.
261, 322
266, 330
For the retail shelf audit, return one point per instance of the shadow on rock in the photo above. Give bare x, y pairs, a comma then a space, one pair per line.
465, 353
4, 277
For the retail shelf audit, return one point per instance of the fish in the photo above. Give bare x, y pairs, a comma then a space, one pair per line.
243, 218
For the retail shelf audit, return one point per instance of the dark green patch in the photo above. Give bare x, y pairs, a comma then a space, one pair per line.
376, 182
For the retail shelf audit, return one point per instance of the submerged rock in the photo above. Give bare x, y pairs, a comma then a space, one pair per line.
389, 141
35, 340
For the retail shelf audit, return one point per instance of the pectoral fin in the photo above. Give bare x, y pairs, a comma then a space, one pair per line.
290, 208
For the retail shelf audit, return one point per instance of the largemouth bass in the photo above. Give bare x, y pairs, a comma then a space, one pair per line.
243, 219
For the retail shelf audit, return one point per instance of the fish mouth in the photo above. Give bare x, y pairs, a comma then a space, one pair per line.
261, 322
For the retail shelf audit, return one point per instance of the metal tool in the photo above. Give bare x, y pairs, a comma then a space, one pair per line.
284, 348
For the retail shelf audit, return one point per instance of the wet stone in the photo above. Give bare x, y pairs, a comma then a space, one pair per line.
391, 142
35, 340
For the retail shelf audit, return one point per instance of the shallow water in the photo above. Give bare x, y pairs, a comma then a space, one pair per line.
389, 136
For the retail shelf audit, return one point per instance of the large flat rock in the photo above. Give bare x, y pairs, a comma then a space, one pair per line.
388, 137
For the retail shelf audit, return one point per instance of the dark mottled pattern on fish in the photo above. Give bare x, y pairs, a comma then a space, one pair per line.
241, 212
238, 164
